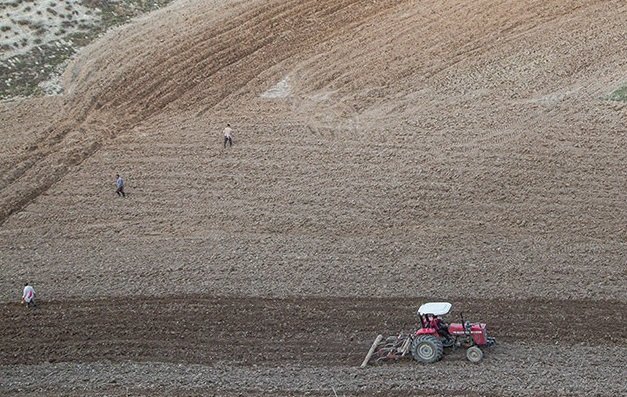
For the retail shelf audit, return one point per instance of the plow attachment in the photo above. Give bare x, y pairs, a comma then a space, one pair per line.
391, 348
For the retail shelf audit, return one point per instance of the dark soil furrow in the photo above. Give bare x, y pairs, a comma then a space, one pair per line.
253, 331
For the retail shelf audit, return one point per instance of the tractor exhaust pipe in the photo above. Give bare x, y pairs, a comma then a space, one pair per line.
466, 329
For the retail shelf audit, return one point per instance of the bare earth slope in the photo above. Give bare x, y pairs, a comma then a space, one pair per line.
400, 149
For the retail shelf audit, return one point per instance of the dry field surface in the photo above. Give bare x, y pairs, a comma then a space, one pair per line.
386, 153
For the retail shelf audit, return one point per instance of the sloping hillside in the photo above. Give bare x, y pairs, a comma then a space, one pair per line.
414, 150
467, 138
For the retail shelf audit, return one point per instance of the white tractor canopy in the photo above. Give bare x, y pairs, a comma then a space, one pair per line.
435, 308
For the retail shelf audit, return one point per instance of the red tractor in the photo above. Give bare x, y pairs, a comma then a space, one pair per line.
427, 344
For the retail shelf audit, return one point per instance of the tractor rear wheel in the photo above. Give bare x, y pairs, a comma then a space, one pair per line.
427, 349
474, 354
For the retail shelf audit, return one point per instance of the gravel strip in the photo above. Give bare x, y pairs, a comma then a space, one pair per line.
526, 370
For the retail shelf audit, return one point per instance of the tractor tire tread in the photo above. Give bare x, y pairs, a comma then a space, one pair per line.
433, 342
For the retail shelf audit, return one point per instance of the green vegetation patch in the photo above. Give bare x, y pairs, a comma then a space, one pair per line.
22, 75
619, 95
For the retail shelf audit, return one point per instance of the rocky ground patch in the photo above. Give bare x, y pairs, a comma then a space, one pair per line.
37, 37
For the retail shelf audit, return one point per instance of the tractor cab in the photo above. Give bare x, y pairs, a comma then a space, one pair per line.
430, 314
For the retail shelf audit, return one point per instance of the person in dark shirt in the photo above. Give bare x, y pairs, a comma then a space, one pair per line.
119, 184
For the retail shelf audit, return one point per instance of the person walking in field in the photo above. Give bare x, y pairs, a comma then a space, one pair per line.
119, 184
228, 135
28, 296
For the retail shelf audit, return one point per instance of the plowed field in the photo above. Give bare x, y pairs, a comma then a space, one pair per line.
385, 153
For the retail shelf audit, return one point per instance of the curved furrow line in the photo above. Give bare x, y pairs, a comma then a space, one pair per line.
130, 80
243, 76
208, 65
51, 146
152, 101
37, 177
211, 46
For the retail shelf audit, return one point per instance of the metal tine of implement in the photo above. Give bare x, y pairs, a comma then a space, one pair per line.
374, 345
405, 347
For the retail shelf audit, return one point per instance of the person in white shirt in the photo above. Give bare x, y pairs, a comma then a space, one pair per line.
28, 296
228, 135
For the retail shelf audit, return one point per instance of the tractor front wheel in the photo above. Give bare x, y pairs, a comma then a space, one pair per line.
427, 349
474, 354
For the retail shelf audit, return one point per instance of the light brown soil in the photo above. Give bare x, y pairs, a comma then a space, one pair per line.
410, 150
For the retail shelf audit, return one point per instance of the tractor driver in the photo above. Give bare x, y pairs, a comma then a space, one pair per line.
440, 326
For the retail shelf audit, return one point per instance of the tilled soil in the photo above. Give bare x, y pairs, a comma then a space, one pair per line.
297, 344
386, 153
255, 331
